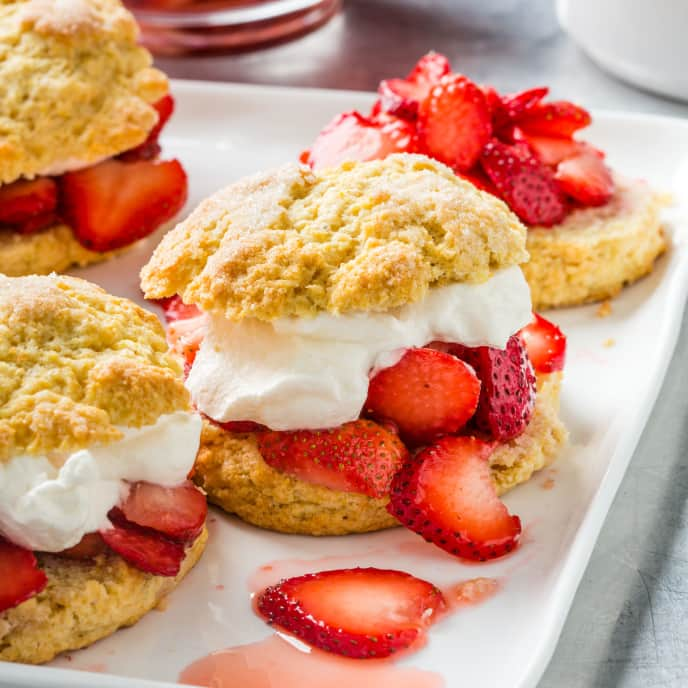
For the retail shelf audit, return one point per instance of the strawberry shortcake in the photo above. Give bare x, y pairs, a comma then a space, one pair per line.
97, 437
590, 230
81, 109
353, 332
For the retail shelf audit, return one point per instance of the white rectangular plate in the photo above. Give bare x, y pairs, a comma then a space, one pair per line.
222, 132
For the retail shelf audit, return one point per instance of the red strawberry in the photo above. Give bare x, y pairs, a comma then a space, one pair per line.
586, 178
516, 105
178, 513
426, 394
240, 426
351, 136
150, 148
358, 613
446, 495
478, 178
185, 336
558, 118
495, 106
24, 200
89, 547
37, 222
20, 576
524, 183
175, 309
402, 97
454, 122
146, 551
507, 394
115, 203
545, 344
359, 456
550, 150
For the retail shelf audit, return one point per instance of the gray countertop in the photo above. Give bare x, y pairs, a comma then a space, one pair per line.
629, 622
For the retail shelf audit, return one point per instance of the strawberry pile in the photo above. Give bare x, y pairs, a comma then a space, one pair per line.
427, 430
518, 146
108, 205
150, 530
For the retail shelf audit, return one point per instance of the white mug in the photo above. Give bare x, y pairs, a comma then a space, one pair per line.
644, 42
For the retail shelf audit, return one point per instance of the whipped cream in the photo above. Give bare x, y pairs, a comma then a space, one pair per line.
308, 373
50, 509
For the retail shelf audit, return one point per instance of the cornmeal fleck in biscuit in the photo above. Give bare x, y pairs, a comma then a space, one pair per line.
596, 251
75, 362
74, 85
231, 470
83, 602
366, 236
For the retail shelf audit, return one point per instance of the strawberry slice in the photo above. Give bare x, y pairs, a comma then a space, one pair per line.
240, 426
550, 150
145, 550
402, 97
359, 456
359, 613
25, 200
178, 513
351, 136
586, 178
115, 203
557, 118
478, 178
21, 578
175, 309
89, 547
545, 344
185, 336
524, 183
454, 122
150, 148
517, 105
507, 394
426, 394
445, 494
37, 222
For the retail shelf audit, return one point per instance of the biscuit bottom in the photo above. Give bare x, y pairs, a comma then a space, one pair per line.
83, 602
54, 249
595, 252
231, 470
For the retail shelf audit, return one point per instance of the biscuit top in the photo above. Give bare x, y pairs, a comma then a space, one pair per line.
366, 236
75, 362
74, 85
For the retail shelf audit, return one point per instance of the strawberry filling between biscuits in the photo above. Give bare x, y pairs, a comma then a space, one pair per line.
108, 205
424, 436
151, 530
518, 146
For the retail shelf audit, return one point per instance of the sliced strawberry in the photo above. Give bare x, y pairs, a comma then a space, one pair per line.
478, 178
150, 148
517, 105
185, 336
175, 309
37, 222
445, 494
495, 106
178, 513
429, 69
454, 122
359, 613
545, 344
351, 136
524, 183
426, 394
20, 577
507, 394
550, 150
558, 118
360, 456
586, 178
115, 203
24, 200
145, 550
89, 547
241, 426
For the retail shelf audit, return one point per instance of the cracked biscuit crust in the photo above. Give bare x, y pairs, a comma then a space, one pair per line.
84, 601
595, 252
74, 85
231, 470
75, 362
366, 236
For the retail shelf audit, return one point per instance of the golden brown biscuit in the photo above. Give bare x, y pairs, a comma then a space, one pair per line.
231, 470
84, 601
75, 363
75, 87
596, 251
366, 236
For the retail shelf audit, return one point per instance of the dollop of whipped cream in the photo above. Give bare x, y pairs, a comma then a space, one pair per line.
309, 373
46, 508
